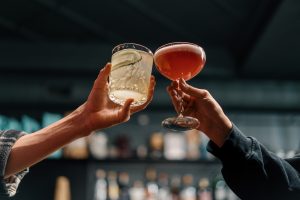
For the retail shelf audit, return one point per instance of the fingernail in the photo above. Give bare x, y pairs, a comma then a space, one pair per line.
107, 65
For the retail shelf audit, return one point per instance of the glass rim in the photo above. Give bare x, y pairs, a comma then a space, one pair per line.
131, 45
174, 43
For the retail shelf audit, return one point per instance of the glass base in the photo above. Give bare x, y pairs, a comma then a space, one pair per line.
180, 123
119, 96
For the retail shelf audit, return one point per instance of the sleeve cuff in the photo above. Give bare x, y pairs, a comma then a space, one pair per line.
9, 186
236, 147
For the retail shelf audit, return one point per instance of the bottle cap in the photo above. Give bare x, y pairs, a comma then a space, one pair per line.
100, 173
187, 179
203, 183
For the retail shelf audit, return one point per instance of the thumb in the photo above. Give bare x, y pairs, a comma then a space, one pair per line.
125, 111
190, 90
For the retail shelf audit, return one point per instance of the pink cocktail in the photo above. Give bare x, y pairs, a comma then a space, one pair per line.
180, 60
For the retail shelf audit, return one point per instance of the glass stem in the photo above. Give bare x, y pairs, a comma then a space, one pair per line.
181, 110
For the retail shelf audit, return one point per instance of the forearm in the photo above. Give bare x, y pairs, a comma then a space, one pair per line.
34, 147
219, 130
253, 172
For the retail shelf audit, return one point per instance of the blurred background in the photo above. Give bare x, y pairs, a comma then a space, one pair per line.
52, 50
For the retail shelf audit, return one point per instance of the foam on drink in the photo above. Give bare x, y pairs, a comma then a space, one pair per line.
180, 60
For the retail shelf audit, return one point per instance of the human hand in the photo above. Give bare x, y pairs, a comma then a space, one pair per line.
100, 112
200, 104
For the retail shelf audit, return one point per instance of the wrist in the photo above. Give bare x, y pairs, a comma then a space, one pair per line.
222, 136
78, 120
220, 131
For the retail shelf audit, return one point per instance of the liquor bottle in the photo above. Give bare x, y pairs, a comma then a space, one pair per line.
113, 187
137, 192
175, 187
220, 190
174, 146
98, 144
193, 144
101, 185
188, 191
151, 185
204, 191
142, 151
164, 192
113, 152
123, 145
156, 144
124, 186
62, 189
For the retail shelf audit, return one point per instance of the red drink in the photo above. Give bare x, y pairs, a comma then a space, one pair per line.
182, 60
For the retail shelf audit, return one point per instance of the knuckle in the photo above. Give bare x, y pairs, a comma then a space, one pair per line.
95, 83
205, 92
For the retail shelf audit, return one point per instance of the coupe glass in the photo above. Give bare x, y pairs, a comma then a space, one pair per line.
180, 60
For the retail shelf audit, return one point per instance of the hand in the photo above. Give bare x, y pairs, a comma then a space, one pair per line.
100, 112
200, 104
96, 113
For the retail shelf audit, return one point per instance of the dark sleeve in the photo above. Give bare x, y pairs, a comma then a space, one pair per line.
253, 172
8, 186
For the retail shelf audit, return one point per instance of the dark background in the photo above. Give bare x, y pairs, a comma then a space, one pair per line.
52, 50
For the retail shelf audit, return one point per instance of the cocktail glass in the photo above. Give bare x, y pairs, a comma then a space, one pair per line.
130, 73
180, 60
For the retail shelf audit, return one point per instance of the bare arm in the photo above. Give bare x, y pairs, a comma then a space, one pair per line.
96, 113
34, 147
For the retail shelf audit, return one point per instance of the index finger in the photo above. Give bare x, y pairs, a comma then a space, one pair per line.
192, 91
103, 75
